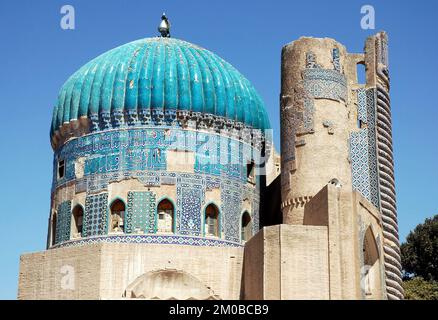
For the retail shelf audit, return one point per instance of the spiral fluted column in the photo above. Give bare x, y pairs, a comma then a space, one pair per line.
377, 51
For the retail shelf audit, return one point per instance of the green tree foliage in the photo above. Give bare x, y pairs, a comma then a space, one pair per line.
419, 289
419, 254
419, 257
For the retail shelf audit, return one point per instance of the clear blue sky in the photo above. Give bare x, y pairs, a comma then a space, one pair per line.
37, 56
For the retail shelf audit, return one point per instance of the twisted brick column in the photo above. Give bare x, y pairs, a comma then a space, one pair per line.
386, 170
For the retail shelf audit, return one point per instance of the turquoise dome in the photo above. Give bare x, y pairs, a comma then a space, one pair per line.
164, 74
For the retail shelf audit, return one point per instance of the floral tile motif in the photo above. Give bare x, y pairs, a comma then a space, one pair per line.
141, 212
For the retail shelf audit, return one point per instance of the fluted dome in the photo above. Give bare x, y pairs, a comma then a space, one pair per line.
157, 74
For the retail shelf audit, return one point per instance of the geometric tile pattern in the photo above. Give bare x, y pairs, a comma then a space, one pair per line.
63, 222
231, 200
372, 145
362, 113
363, 149
297, 114
191, 189
325, 83
141, 212
360, 162
153, 238
96, 215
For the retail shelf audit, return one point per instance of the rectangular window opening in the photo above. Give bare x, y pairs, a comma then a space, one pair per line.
61, 169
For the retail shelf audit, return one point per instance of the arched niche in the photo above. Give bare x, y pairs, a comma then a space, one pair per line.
77, 221
211, 220
117, 216
370, 271
165, 216
245, 226
169, 284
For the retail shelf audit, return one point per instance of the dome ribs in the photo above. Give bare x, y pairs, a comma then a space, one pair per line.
161, 81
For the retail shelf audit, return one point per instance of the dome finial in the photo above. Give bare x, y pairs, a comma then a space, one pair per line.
164, 27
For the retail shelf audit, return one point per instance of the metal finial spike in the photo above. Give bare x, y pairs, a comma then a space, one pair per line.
164, 27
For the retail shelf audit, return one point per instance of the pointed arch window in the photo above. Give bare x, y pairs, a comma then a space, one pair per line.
246, 227
370, 271
211, 220
78, 218
117, 216
165, 219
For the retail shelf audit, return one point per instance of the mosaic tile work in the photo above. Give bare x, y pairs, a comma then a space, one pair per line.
321, 84
191, 189
360, 162
311, 61
127, 160
112, 155
362, 113
63, 222
327, 84
297, 113
154, 239
231, 200
363, 149
123, 138
99, 159
141, 212
372, 151
96, 215
208, 151
190, 193
336, 59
